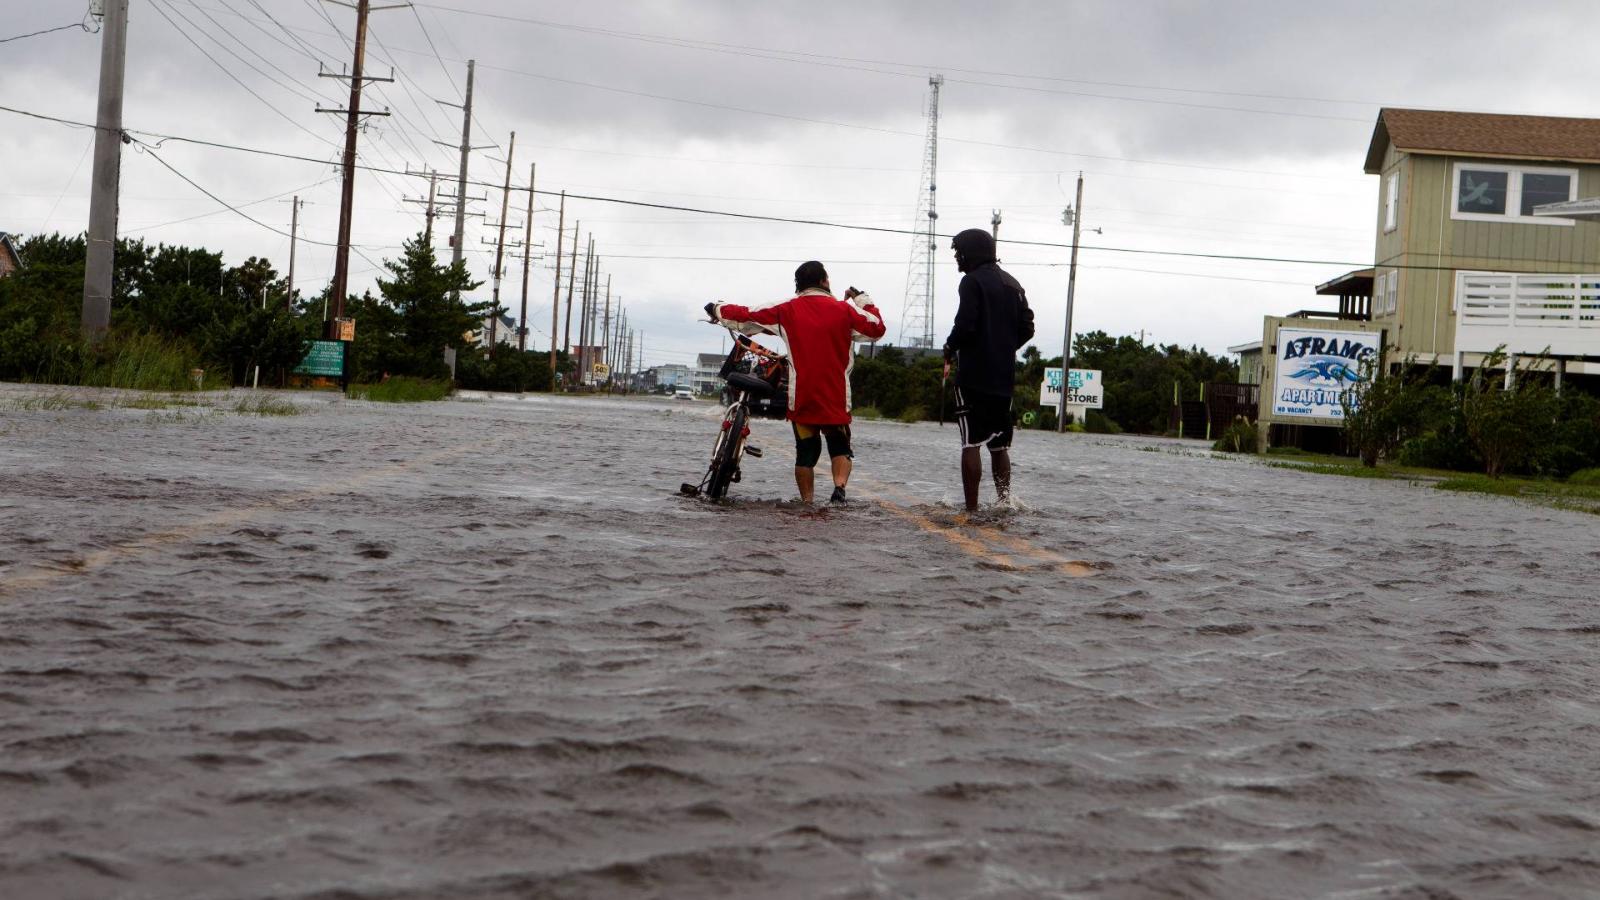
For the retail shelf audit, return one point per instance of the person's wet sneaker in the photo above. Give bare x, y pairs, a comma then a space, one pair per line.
838, 494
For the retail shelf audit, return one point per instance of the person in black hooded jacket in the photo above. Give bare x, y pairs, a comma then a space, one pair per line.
992, 323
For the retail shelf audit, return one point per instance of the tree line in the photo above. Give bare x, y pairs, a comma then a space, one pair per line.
1139, 382
176, 309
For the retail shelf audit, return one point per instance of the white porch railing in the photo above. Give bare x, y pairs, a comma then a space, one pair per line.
1528, 313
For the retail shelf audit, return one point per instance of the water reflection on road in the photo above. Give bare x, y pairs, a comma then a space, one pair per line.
481, 649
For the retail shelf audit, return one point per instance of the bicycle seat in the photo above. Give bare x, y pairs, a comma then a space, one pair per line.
744, 381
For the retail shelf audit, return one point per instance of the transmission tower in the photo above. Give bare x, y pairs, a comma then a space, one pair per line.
916, 321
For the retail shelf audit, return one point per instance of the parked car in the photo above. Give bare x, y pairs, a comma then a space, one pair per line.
683, 393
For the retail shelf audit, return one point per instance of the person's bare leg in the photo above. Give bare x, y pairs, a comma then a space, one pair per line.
841, 470
1000, 462
971, 476
805, 482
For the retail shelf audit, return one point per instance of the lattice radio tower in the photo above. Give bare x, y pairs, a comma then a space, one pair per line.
916, 321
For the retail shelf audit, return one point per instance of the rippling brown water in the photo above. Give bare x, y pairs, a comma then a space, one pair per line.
480, 650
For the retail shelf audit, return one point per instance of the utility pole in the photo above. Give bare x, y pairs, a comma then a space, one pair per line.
572, 277
585, 336
432, 207
1075, 216
994, 223
527, 245
500, 247
605, 328
294, 230
103, 197
353, 114
466, 151
555, 294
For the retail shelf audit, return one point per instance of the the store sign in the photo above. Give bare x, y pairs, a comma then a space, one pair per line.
1085, 389
1315, 369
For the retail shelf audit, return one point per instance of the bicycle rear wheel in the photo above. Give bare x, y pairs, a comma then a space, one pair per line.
725, 460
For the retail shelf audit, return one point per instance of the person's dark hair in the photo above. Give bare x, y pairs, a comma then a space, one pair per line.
809, 275
974, 247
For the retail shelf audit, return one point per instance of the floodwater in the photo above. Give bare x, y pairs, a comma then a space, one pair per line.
481, 650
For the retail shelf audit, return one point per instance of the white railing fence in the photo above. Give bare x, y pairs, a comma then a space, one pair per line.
1526, 313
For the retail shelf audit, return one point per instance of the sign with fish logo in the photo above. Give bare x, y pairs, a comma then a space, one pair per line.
1317, 368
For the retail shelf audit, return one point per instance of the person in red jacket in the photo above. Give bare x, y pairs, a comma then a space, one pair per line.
820, 330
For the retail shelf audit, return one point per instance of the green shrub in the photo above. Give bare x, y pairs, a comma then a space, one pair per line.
1239, 437
266, 406
1585, 477
1097, 423
1382, 412
402, 389
869, 413
913, 414
1509, 427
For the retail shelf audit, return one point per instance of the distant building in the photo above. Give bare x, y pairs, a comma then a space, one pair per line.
1462, 264
10, 259
505, 332
707, 373
1249, 362
671, 377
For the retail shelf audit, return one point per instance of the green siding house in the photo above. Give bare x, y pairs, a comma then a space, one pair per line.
1462, 265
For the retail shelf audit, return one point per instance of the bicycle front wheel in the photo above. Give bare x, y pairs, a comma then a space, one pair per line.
725, 461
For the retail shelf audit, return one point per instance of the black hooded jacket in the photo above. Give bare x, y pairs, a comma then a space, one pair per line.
993, 321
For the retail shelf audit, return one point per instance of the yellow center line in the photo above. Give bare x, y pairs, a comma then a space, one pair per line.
148, 543
968, 544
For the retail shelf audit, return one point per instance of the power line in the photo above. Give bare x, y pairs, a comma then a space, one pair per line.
871, 128
30, 34
157, 6
920, 70
757, 217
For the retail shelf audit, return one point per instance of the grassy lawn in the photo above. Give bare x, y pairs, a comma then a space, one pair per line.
1580, 493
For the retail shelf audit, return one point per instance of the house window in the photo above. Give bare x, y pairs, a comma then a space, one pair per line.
1394, 290
1391, 201
1495, 193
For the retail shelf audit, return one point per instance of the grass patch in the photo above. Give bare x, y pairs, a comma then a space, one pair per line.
1587, 477
913, 414
402, 389
1355, 471
266, 406
869, 413
54, 401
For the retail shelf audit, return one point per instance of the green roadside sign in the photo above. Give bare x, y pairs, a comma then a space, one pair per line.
323, 358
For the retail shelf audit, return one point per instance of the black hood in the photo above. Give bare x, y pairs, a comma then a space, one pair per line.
974, 247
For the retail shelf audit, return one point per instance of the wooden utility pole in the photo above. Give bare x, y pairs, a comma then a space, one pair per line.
1072, 281
994, 223
341, 260
294, 230
572, 277
555, 294
527, 249
590, 286
605, 328
466, 152
106, 184
433, 194
500, 247
583, 312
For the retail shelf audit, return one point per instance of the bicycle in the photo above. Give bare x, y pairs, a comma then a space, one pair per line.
762, 392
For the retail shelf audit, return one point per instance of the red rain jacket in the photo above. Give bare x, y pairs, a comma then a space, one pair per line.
820, 330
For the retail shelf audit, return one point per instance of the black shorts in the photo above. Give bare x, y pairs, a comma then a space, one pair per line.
984, 419
808, 443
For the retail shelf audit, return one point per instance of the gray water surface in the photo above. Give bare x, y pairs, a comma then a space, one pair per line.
480, 649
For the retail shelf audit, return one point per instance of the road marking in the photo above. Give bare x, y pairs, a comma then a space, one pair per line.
968, 544
147, 543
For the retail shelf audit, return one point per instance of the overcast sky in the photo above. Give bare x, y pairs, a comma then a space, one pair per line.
1232, 128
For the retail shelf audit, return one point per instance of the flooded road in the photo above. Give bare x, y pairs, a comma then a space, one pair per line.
480, 649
